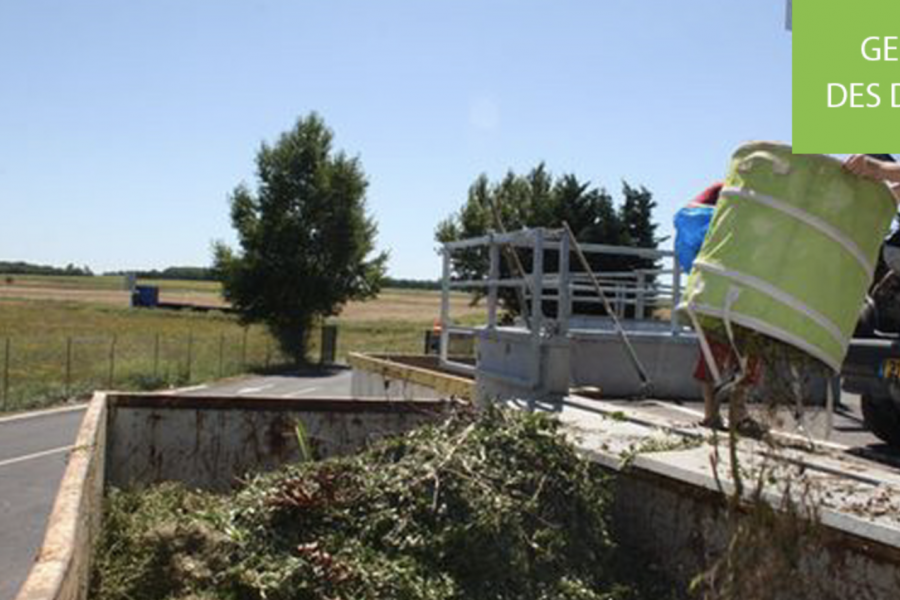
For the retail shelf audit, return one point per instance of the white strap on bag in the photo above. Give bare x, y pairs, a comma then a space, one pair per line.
704, 345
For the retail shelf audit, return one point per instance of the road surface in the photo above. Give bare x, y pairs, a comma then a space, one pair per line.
333, 383
33, 453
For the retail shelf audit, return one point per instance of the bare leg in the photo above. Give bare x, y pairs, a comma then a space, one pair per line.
711, 416
737, 406
739, 418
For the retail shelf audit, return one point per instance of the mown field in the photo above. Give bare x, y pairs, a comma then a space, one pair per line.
69, 335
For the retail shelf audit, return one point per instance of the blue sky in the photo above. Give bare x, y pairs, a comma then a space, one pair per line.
125, 125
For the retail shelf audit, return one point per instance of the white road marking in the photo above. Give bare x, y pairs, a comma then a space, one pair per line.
300, 392
41, 413
254, 389
41, 454
184, 390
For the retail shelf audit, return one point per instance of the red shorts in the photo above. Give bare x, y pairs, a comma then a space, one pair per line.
725, 361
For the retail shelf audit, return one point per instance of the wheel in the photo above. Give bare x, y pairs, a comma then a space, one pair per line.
882, 418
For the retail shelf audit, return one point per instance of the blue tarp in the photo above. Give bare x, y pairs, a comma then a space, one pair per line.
691, 224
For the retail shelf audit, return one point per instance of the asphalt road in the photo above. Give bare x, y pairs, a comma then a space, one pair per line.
33, 453
333, 383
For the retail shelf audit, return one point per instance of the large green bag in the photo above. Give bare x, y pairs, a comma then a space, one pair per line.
791, 250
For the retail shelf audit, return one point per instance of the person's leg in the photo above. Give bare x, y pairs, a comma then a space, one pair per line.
739, 418
737, 404
711, 414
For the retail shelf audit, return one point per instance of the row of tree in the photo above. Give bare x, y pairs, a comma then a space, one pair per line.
25, 268
183, 273
306, 241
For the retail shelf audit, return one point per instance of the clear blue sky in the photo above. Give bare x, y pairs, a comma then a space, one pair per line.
125, 125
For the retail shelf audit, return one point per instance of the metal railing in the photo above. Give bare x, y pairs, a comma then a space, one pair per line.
571, 290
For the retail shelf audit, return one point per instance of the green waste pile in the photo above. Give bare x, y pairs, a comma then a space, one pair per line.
497, 505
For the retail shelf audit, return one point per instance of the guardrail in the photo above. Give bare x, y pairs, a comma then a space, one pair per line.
639, 291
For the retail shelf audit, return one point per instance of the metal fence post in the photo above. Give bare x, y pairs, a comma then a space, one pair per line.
445, 307
156, 356
221, 354
494, 275
190, 352
6, 374
112, 363
564, 294
537, 282
68, 366
640, 299
244, 349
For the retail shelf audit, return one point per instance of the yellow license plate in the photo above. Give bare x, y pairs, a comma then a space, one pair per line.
890, 368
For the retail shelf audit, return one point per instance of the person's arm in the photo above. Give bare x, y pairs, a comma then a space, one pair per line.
879, 170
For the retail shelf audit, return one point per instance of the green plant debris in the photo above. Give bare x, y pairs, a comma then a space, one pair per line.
668, 443
495, 506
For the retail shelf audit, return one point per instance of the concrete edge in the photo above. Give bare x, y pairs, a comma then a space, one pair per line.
153, 400
62, 567
873, 537
443, 383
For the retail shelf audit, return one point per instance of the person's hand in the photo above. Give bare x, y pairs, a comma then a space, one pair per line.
865, 166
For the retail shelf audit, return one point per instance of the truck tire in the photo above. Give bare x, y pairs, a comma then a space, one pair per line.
882, 418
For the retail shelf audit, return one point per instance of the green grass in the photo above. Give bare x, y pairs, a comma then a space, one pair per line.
64, 349
63, 345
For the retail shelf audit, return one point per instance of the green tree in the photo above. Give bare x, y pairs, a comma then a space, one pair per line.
538, 199
306, 242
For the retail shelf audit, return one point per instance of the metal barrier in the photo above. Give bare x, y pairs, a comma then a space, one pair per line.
643, 289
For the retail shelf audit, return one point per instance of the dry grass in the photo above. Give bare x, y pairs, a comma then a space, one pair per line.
392, 304
68, 337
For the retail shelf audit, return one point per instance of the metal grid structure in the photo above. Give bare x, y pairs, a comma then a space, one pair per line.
643, 289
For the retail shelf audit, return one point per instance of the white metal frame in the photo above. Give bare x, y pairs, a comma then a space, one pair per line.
624, 289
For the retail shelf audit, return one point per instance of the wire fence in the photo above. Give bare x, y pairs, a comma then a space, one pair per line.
44, 369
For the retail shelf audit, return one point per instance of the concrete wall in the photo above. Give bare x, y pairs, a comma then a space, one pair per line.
405, 377
368, 384
211, 442
682, 528
512, 364
62, 568
600, 359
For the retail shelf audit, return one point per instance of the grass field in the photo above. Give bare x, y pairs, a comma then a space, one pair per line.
70, 335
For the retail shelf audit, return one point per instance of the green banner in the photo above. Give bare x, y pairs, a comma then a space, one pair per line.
846, 76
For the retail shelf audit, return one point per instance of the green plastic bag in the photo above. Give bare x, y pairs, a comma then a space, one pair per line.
791, 250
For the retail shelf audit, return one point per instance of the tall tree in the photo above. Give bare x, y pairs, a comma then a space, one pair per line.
306, 242
537, 199
636, 215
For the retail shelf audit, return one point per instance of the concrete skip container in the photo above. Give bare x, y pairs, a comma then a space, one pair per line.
791, 250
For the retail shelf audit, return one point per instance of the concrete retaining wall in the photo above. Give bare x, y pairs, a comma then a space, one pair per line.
211, 442
682, 528
599, 359
405, 378
62, 568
